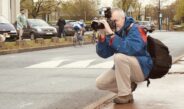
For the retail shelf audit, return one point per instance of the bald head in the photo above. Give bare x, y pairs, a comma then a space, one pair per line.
119, 12
118, 16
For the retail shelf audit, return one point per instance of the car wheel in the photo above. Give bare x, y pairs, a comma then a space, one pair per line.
32, 36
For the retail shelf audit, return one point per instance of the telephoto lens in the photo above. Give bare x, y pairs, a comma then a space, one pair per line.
97, 25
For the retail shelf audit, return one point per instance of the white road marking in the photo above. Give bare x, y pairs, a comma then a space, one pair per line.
107, 64
25, 105
78, 64
48, 64
182, 59
177, 68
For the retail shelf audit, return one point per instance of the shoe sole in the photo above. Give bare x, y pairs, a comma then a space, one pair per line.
130, 101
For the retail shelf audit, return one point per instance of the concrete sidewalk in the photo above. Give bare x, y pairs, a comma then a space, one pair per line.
164, 93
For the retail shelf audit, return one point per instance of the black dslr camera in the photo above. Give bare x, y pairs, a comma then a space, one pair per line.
98, 25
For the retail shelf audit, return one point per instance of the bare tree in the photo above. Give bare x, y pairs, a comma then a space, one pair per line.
179, 10
125, 4
79, 9
39, 7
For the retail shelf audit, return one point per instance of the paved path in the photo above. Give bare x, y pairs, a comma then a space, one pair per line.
165, 93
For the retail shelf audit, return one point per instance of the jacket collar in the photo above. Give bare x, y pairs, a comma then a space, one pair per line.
128, 22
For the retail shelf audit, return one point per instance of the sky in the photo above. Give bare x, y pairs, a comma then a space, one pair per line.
166, 2
145, 2
106, 3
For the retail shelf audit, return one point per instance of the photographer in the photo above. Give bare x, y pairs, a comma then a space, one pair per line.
132, 62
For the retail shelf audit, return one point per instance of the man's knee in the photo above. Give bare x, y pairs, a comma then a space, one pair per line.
120, 57
101, 85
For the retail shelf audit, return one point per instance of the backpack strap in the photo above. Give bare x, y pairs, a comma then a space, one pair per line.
148, 81
127, 30
144, 37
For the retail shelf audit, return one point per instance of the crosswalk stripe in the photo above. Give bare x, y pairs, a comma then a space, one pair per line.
107, 64
182, 59
177, 68
48, 64
78, 64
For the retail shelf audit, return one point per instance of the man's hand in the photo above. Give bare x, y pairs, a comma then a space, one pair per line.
107, 27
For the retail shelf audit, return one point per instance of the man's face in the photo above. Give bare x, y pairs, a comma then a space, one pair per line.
118, 20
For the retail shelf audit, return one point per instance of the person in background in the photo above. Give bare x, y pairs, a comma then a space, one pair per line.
2, 38
82, 24
61, 23
21, 23
78, 32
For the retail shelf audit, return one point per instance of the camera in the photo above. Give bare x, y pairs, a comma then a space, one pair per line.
98, 25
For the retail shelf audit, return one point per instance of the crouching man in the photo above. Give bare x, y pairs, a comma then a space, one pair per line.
132, 62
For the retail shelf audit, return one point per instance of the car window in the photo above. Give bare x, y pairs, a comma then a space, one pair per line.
37, 22
3, 20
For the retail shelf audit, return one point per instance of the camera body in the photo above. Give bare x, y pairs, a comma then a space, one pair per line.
107, 14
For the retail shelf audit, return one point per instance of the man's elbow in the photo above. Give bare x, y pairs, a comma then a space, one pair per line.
101, 54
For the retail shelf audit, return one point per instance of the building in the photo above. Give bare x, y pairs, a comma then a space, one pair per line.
9, 9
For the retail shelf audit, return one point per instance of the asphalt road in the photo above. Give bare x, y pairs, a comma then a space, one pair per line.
62, 78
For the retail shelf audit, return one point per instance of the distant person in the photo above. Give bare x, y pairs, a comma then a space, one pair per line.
61, 23
21, 23
78, 36
82, 24
2, 38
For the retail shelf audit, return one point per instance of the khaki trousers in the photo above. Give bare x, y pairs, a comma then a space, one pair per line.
20, 34
118, 79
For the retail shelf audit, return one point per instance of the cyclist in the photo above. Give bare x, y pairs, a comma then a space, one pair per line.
78, 33
82, 24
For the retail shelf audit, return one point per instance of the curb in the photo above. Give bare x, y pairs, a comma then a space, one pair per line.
37, 48
98, 103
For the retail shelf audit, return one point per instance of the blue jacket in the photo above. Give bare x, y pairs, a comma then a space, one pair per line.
129, 43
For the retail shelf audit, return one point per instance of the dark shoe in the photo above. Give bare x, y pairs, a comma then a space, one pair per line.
133, 86
124, 99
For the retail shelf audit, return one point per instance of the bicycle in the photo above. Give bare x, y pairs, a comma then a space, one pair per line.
77, 38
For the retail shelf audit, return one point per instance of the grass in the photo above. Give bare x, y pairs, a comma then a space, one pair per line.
32, 43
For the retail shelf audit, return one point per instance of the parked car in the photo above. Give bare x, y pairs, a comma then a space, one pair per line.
149, 26
7, 29
38, 28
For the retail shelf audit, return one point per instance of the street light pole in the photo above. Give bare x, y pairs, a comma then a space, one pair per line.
159, 15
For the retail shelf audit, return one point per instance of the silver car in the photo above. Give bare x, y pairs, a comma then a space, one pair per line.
38, 28
7, 30
149, 26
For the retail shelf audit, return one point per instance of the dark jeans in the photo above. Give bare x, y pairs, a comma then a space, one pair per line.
60, 33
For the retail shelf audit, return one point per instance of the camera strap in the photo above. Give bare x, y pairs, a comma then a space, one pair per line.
122, 32
129, 28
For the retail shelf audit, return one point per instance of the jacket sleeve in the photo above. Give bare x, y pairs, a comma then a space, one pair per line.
103, 49
132, 44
